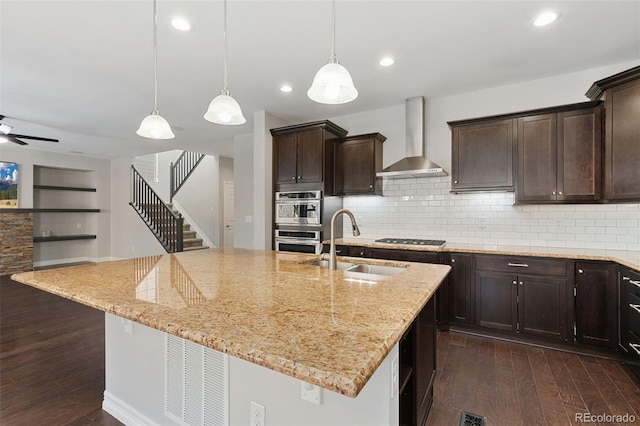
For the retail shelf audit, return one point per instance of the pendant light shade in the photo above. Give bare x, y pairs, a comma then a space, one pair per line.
153, 126
223, 109
332, 83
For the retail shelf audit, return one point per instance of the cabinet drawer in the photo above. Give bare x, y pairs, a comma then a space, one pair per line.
522, 265
634, 313
632, 280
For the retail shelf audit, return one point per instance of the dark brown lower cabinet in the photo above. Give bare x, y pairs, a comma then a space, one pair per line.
526, 303
596, 304
461, 289
418, 367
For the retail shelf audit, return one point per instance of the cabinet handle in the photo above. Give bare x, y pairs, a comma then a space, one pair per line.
515, 282
370, 186
636, 307
299, 177
453, 261
553, 193
293, 177
521, 283
636, 283
580, 271
455, 181
560, 193
519, 265
625, 278
635, 347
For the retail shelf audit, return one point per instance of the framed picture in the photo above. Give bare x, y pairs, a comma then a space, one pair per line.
8, 185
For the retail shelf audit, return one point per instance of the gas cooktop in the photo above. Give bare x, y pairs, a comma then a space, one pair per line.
412, 242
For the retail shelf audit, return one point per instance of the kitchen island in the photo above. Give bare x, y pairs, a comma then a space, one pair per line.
279, 320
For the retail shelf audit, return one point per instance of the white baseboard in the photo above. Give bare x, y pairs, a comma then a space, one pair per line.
124, 412
61, 261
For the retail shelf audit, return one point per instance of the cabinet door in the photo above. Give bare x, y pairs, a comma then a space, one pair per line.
425, 367
579, 155
310, 156
537, 158
496, 300
355, 161
286, 158
461, 298
596, 304
405, 255
622, 142
482, 156
541, 306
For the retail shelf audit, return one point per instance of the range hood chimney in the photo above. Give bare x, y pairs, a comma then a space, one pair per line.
414, 163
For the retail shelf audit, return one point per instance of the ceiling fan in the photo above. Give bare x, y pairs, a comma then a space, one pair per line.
7, 136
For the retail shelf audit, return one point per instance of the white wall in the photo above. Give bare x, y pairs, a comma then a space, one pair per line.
225, 167
263, 177
243, 179
27, 158
130, 237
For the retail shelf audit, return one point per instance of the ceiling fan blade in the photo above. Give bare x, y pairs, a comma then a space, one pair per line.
35, 138
13, 139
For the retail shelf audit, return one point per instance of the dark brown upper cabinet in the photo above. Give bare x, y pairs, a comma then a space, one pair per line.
358, 159
303, 156
559, 156
621, 94
482, 155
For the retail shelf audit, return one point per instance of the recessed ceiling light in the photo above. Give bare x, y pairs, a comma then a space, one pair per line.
386, 62
180, 23
286, 88
545, 18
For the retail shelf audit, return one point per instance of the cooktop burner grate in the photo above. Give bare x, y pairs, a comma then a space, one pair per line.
411, 241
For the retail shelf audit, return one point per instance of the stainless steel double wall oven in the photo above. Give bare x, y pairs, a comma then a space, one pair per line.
302, 220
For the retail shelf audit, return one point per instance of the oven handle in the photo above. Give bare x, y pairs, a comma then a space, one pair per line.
297, 241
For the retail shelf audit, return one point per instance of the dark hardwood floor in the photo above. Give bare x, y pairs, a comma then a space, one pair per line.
51, 359
516, 384
52, 372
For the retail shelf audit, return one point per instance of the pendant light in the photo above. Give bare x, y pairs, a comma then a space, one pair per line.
332, 83
153, 126
223, 109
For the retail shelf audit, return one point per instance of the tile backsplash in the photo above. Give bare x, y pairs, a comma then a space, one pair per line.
424, 208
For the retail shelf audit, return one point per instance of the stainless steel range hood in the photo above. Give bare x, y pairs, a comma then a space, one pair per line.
414, 163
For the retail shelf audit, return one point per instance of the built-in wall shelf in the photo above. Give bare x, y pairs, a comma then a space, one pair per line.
47, 210
63, 188
65, 203
64, 238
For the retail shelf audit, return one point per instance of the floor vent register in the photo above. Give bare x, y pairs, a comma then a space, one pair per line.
470, 419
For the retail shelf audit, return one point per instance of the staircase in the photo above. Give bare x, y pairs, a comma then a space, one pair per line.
164, 220
190, 240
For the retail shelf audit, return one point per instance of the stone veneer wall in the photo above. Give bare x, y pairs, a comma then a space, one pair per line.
16, 241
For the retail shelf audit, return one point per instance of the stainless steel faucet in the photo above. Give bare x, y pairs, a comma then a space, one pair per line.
333, 262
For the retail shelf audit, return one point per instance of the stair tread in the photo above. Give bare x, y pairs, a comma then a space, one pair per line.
195, 248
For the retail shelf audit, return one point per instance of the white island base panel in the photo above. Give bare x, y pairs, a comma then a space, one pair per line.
136, 369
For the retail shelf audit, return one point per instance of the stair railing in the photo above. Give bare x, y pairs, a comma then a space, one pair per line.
166, 225
180, 171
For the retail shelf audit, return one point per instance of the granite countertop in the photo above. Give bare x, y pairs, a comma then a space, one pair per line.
265, 307
630, 259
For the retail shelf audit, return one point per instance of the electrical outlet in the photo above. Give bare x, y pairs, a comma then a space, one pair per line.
258, 413
311, 393
127, 325
248, 218
395, 376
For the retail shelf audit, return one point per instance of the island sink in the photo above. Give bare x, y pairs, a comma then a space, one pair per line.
325, 264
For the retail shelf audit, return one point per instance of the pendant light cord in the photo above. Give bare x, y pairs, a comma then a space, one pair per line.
224, 37
155, 58
334, 59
